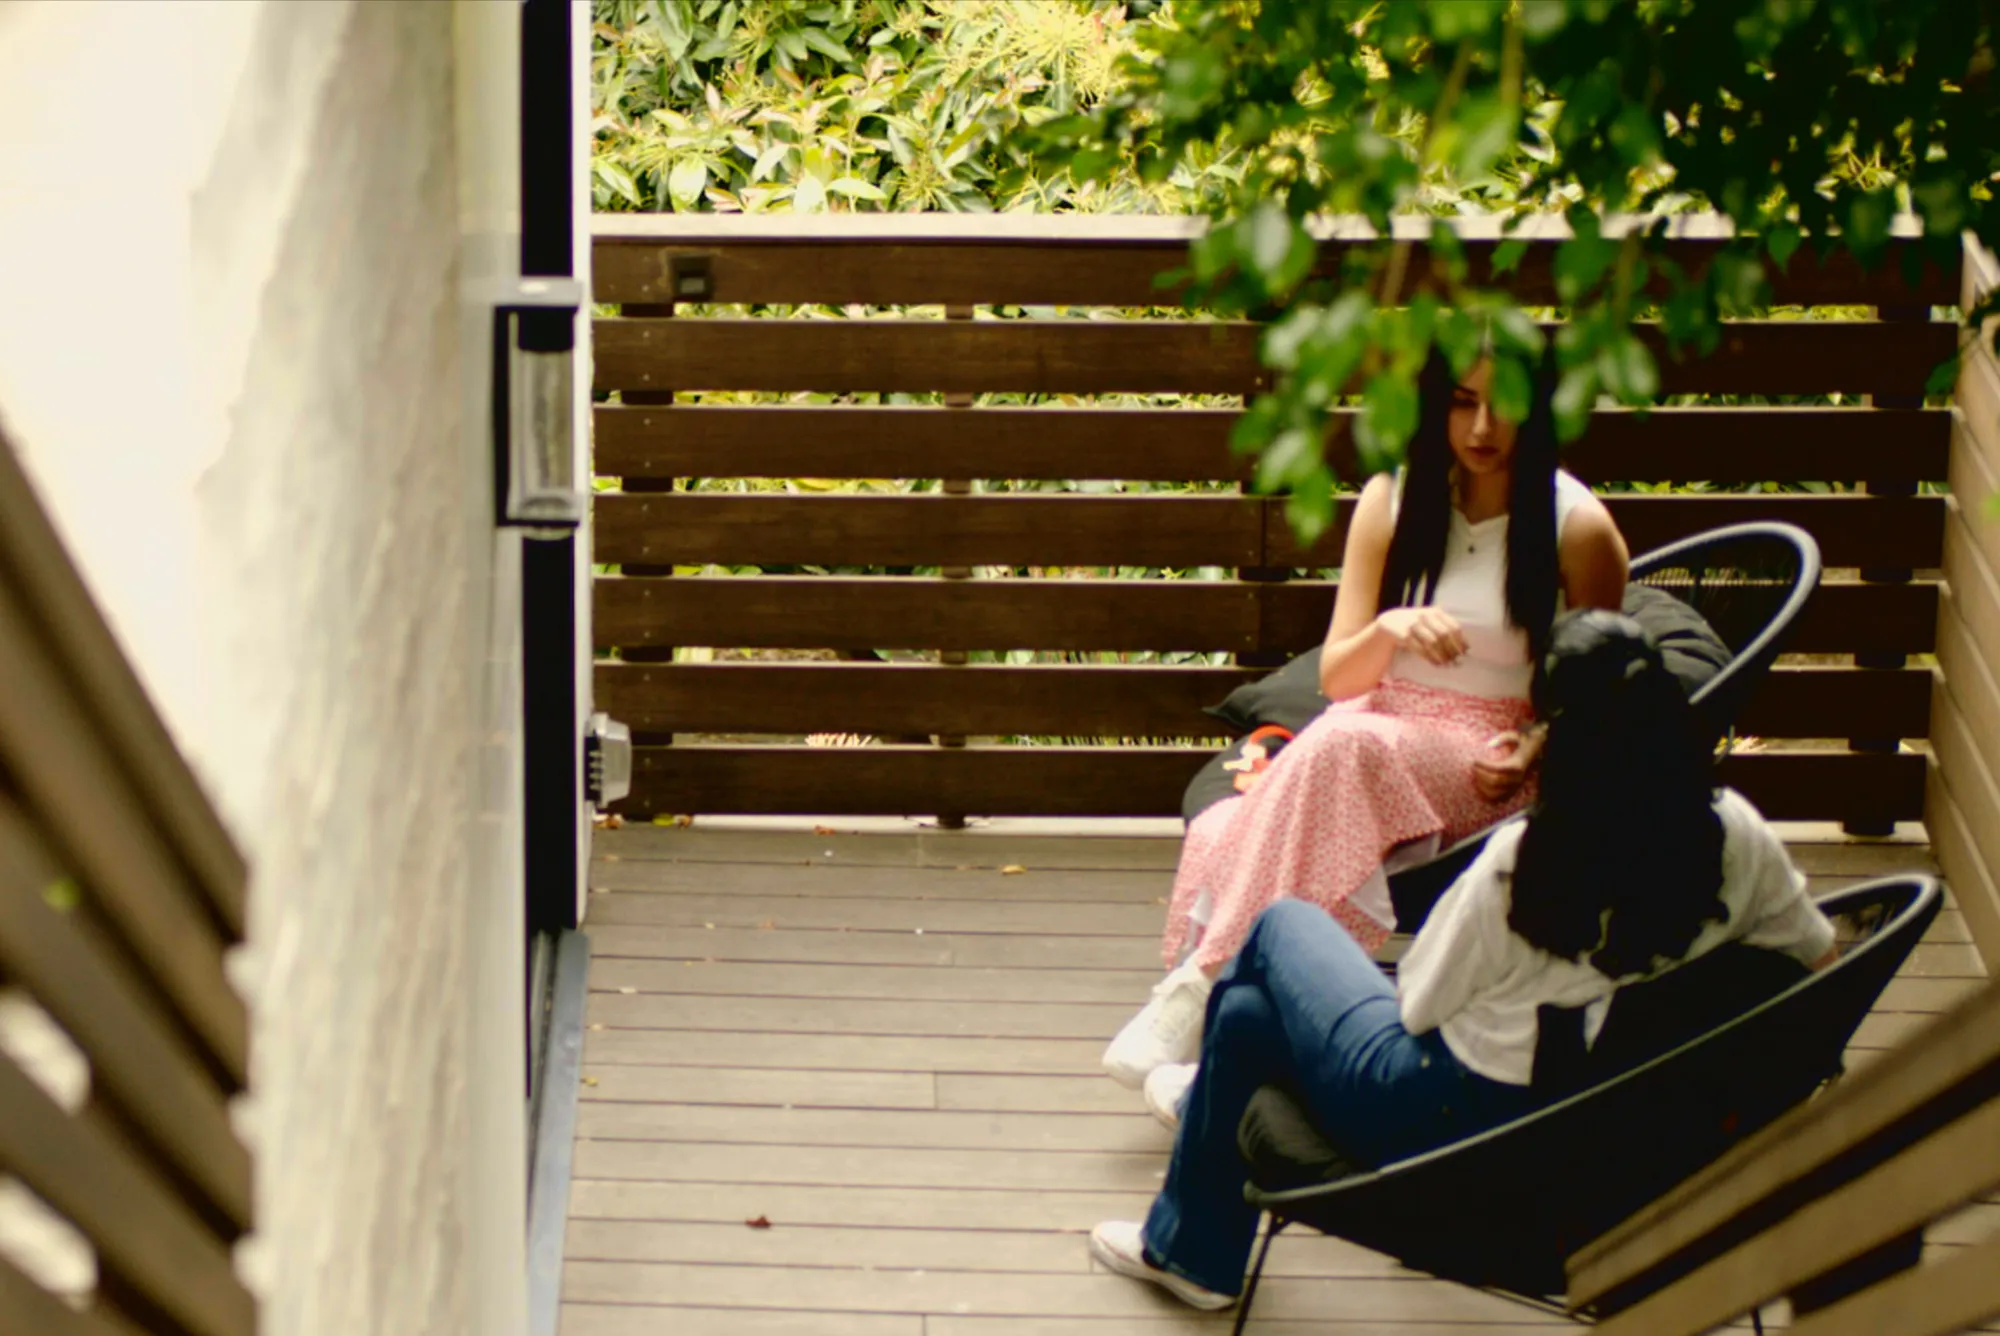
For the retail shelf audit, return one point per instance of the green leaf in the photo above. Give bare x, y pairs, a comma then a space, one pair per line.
1388, 419
1543, 18
1783, 242
855, 188
1513, 331
1513, 390
1507, 256
825, 45
1575, 396
1309, 509
1944, 378
809, 195
1868, 218
1455, 20
1484, 127
686, 182
1292, 455
791, 43
1580, 263
1626, 368
1279, 250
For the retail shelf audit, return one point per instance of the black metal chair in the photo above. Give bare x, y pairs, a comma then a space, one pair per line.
1670, 1086
1749, 583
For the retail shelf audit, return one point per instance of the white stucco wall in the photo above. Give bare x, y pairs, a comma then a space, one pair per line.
234, 238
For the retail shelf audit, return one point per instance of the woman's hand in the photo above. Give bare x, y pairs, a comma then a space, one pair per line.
1510, 758
1432, 635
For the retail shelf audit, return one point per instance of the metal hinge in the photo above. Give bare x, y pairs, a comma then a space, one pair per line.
607, 759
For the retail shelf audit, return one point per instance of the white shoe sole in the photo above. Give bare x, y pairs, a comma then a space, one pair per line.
1189, 1293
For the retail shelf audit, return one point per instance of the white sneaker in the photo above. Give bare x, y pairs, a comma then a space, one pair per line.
1166, 1030
1119, 1245
1166, 1091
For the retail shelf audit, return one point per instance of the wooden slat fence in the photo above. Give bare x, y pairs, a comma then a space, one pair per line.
119, 894
703, 407
1826, 1206
1962, 796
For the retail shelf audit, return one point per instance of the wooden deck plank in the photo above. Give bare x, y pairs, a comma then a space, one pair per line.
1132, 1131
871, 1166
905, 983
933, 1207
769, 1087
966, 882
851, 1053
921, 1115
735, 1244
812, 1015
1064, 918
629, 1320
1024, 1294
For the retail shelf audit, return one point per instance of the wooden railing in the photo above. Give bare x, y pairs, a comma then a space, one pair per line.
1962, 803
806, 373
1828, 1206
119, 893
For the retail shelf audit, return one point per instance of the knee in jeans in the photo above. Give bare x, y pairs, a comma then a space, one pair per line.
1286, 916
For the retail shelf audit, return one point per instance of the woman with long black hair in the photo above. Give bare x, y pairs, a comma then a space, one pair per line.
1629, 862
1452, 572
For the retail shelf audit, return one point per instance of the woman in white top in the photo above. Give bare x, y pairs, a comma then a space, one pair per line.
1452, 573
1629, 862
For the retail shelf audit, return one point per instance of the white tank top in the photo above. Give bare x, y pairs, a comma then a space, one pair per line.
1472, 587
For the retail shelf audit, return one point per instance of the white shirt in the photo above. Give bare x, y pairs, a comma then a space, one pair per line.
1471, 976
1472, 587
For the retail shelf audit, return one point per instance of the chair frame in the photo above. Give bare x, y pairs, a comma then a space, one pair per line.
1716, 703
1911, 900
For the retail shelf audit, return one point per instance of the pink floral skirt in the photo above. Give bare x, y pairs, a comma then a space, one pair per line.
1366, 777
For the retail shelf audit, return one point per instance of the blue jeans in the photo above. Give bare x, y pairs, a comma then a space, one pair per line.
1303, 1005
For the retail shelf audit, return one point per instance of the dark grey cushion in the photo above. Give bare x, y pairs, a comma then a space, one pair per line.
1281, 1147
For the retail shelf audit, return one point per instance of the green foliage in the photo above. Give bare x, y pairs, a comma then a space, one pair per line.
827, 105
1806, 121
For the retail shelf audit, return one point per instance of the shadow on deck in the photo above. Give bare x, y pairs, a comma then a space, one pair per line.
886, 1044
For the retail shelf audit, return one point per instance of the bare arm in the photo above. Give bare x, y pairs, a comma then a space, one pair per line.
1594, 560
1362, 638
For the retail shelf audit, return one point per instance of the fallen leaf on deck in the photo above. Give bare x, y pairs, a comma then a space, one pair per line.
824, 830
628, 990
768, 923
760, 1222
1012, 870
708, 925
590, 1080
597, 1025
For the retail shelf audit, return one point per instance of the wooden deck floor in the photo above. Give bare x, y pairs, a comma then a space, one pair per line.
886, 1046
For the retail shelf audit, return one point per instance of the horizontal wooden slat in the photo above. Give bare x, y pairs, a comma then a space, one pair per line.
1032, 356
1851, 530
1111, 701
54, 599
696, 528
1721, 445
1175, 357
72, 784
1842, 618
1137, 781
1958, 1048
1956, 1294
27, 1307
1927, 1179
933, 529
895, 699
137, 1059
922, 613
141, 1231
814, 612
1105, 259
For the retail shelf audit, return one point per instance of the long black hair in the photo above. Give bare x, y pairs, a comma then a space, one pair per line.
1621, 861
1423, 519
